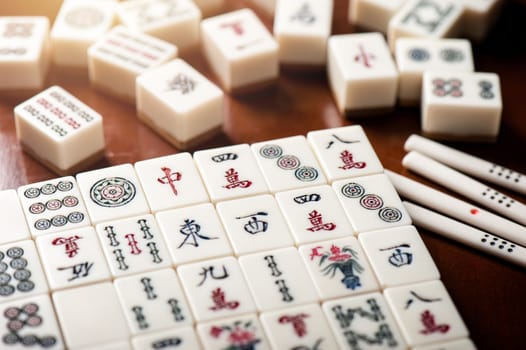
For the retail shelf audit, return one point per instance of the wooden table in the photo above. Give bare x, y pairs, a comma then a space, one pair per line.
490, 294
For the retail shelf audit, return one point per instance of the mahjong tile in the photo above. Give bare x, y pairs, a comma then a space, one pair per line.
301, 327
277, 279
399, 256
153, 301
230, 172
112, 193
193, 233
243, 332
171, 182
371, 203
254, 224
28, 323
215, 289
72, 258
363, 322
425, 312
12, 217
344, 152
90, 316
21, 273
133, 245
460, 344
288, 163
180, 338
338, 268
314, 214
53, 205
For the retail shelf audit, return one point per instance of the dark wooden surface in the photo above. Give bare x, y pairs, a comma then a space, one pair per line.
490, 294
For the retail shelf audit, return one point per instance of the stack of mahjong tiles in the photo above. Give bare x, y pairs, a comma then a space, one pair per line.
292, 243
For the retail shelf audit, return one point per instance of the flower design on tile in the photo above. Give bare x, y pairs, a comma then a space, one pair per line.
343, 259
240, 335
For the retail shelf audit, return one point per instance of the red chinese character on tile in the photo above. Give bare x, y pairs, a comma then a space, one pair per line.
298, 322
72, 248
349, 163
232, 177
317, 223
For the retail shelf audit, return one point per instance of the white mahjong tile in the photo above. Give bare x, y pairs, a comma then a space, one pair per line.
90, 316
59, 130
314, 214
216, 289
300, 327
193, 233
362, 73
459, 105
479, 17
112, 193
242, 332
121, 345
240, 50
133, 245
30, 322
373, 15
371, 203
175, 21
21, 273
414, 56
210, 7
180, 338
180, 103
399, 256
344, 152
171, 182
277, 279
12, 217
254, 224
302, 28
288, 163
426, 18
24, 52
79, 23
363, 322
425, 312
123, 54
53, 205
153, 301
338, 268
230, 172
460, 344
72, 258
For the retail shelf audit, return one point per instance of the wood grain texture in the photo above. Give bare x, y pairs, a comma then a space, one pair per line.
490, 294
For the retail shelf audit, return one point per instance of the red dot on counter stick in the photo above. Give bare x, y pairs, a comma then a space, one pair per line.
474, 211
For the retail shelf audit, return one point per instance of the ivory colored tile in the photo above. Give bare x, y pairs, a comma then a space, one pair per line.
12, 216
179, 103
479, 17
373, 15
122, 55
461, 344
182, 338
59, 130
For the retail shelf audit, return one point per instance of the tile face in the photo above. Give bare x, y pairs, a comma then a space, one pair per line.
153, 301
112, 193
344, 152
21, 274
215, 289
179, 103
277, 279
29, 322
90, 316
59, 130
371, 203
12, 217
133, 245
461, 344
193, 233
362, 73
399, 256
301, 327
288, 163
52, 206
180, 338
72, 258
425, 313
363, 322
240, 50
254, 224
230, 172
373, 15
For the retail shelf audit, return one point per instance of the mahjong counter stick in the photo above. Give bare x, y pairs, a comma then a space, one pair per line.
458, 209
468, 164
465, 186
466, 234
